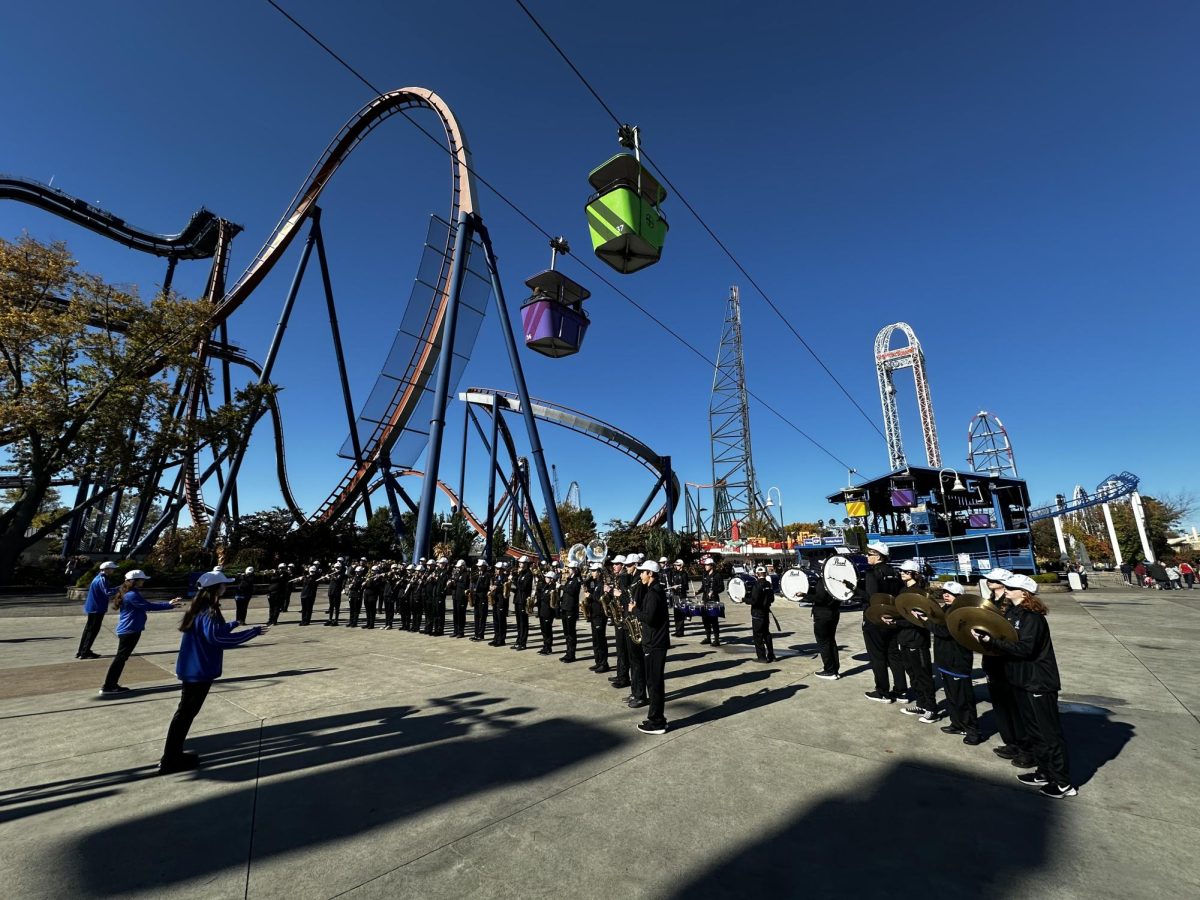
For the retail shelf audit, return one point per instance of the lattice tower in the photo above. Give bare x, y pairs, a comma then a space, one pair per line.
988, 447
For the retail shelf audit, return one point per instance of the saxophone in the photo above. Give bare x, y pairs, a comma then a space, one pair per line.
491, 595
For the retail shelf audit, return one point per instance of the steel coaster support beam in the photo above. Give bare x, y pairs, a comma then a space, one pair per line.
535, 443
227, 387
649, 498
669, 490
1139, 519
518, 488
462, 463
268, 364
389, 485
150, 491
491, 504
71, 544
170, 276
1058, 533
336, 333
1112, 534
437, 423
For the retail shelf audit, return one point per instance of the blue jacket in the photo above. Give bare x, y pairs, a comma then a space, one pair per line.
98, 596
133, 612
203, 646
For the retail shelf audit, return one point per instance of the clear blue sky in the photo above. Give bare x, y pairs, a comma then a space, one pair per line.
1016, 181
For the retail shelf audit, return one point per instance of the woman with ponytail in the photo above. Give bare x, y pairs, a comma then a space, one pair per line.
132, 622
206, 634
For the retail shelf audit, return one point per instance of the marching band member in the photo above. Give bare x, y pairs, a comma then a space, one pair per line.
462, 591
569, 609
499, 607
444, 584
636, 653
373, 592
1032, 672
826, 612
391, 587
547, 601
337, 579
882, 649
133, 607
242, 594
405, 598
308, 592
677, 587
358, 580
955, 662
522, 589
711, 586
913, 642
417, 596
761, 597
597, 618
621, 680
479, 589
1004, 705
277, 594
651, 609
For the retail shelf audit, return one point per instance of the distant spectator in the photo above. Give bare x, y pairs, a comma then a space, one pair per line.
1174, 577
1127, 572
1143, 577
1188, 573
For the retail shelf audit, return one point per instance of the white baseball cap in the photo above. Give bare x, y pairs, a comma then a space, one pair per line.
648, 566
760, 569
460, 563
618, 559
523, 560
212, 579
481, 564
572, 564
708, 561
661, 560
442, 560
878, 547
1023, 582
595, 567
106, 566
679, 562
136, 575
997, 575
953, 587
910, 565
499, 565
249, 570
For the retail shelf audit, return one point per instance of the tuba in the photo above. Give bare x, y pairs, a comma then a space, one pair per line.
578, 554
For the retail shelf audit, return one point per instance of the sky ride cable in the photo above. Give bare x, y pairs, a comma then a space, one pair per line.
703, 224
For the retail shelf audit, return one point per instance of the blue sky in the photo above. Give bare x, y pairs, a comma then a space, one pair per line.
1016, 181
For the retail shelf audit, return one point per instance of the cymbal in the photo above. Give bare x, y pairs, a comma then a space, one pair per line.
876, 611
906, 603
961, 621
974, 600
876, 599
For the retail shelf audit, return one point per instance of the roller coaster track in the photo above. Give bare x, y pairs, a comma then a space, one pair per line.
1111, 489
422, 364
581, 423
198, 240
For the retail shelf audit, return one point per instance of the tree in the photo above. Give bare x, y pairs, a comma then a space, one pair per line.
454, 538
86, 376
655, 541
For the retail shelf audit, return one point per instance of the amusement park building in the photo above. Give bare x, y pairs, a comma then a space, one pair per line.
956, 523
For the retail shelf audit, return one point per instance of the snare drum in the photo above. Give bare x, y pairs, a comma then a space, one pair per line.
740, 587
714, 610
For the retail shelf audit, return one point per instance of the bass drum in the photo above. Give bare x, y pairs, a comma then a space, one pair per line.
740, 587
839, 577
793, 584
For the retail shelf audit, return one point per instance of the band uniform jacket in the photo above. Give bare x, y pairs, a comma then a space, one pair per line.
595, 590
712, 585
761, 597
678, 584
1029, 661
653, 613
568, 603
544, 607
522, 588
948, 654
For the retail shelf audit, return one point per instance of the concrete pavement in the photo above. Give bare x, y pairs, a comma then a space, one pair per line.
387, 764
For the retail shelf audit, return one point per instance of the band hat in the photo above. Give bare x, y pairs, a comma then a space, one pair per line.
523, 560
648, 566
595, 567
953, 587
249, 570
220, 568
910, 565
572, 564
547, 574
760, 569
1021, 582
998, 575
212, 579
137, 575
679, 562
460, 563
499, 565
106, 566
481, 564
442, 560
661, 560
619, 559
878, 547
707, 561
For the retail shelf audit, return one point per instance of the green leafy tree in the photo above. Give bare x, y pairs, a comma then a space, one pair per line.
83, 367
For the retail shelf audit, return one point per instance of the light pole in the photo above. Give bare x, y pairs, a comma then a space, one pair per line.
956, 488
850, 473
779, 494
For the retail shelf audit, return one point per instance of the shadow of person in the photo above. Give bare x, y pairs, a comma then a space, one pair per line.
375, 768
721, 684
732, 706
1094, 738
713, 666
879, 826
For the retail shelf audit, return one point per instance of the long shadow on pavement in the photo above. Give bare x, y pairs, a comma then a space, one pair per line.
906, 833
348, 774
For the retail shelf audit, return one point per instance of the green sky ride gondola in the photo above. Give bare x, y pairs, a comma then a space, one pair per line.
626, 224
